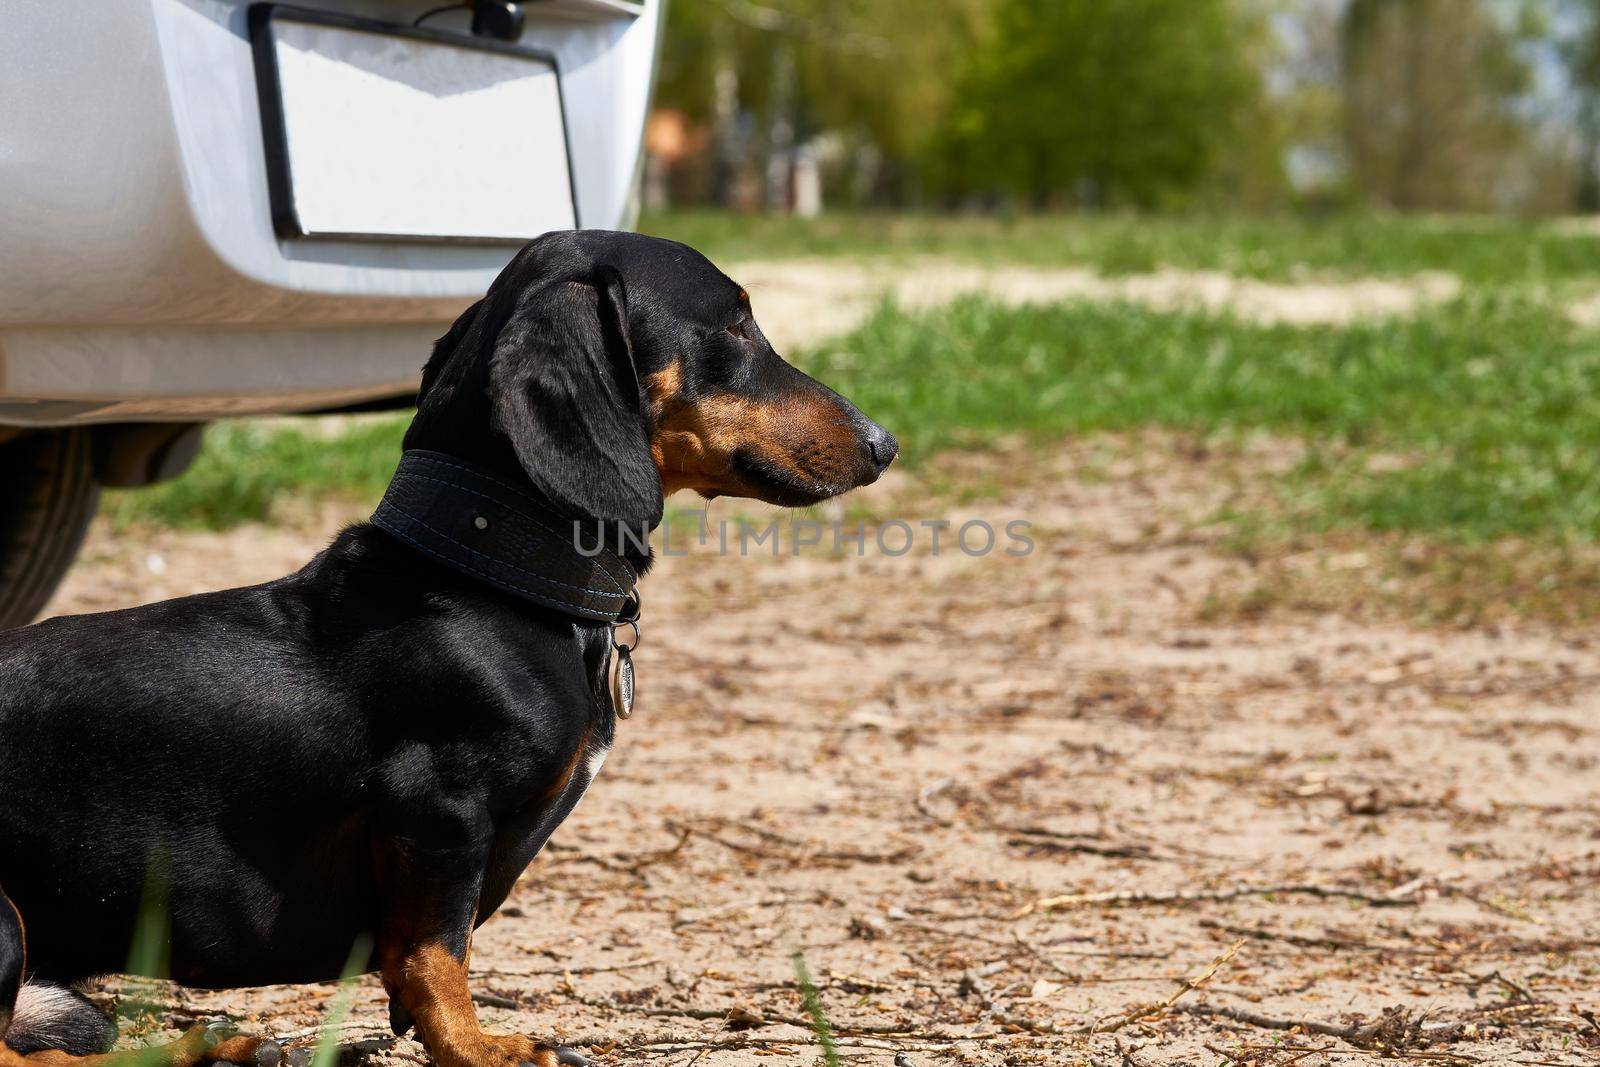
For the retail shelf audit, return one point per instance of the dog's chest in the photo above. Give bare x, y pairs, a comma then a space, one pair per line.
521, 838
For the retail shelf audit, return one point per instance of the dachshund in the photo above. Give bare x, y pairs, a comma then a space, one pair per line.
347, 769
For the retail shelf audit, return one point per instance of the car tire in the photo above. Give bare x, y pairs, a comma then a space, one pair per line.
47, 497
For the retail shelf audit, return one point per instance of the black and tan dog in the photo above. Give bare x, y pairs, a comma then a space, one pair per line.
377, 746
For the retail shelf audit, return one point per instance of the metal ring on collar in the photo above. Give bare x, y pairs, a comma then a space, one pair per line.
637, 636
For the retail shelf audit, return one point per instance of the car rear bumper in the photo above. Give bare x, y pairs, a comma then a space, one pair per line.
140, 273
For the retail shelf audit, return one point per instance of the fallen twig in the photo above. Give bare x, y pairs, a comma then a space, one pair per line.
1396, 1030
1518, 991
798, 853
1065, 843
768, 1018
503, 972
349, 1033
1186, 896
689, 917
1331, 942
620, 862
491, 1000
1188, 986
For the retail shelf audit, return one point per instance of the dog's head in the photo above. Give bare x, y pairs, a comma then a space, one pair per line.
613, 369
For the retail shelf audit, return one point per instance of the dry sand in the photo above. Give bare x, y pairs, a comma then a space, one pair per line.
896, 764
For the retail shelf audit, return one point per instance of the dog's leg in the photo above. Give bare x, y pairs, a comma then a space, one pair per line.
429, 982
424, 943
201, 1044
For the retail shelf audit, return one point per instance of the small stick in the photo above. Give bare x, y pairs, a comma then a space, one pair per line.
1367, 1035
361, 1032
1188, 986
1060, 843
620, 862
1325, 942
856, 1029
491, 1000
648, 961
1474, 981
1121, 897
798, 853
689, 918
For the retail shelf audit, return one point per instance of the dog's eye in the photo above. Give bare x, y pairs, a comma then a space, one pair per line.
738, 330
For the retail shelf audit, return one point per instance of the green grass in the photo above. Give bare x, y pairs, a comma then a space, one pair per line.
1485, 411
327, 1051
247, 470
1483, 415
812, 999
1489, 406
1481, 251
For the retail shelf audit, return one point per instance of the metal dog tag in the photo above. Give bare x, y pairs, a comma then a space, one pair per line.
622, 682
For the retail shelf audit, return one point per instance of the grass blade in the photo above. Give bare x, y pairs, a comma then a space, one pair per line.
813, 1004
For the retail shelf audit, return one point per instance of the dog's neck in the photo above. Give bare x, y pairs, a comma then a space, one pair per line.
491, 529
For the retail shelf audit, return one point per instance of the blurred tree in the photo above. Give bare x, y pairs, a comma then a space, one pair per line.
1135, 102
1430, 88
1583, 65
1306, 81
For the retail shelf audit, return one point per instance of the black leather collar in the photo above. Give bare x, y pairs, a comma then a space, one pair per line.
481, 525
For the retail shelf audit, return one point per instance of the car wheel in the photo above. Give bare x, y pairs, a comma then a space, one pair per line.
47, 497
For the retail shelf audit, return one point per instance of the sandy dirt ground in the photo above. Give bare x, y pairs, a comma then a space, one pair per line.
1042, 809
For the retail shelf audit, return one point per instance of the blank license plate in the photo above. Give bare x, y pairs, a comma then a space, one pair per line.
376, 131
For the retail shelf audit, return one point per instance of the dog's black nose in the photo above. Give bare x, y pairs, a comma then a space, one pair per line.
882, 446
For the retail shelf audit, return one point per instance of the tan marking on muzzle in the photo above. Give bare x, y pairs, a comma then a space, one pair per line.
694, 442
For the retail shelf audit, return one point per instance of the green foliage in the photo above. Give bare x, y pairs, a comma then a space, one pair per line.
1133, 102
686, 69
1140, 101
1412, 104
878, 72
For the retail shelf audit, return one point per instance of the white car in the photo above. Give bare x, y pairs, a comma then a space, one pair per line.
216, 207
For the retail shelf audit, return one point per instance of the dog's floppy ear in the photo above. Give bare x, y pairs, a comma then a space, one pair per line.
564, 391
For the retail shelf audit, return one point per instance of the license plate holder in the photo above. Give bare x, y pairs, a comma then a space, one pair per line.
376, 131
